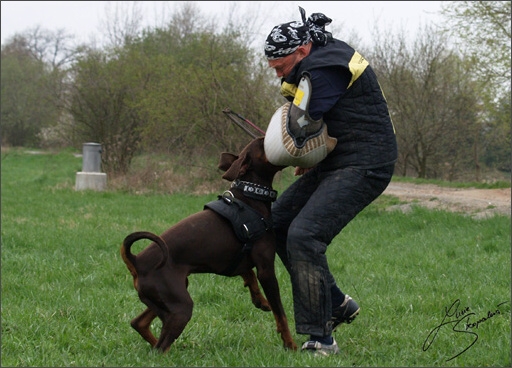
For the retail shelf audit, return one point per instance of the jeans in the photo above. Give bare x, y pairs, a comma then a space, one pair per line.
307, 216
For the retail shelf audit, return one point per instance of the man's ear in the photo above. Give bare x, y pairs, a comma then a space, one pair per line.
304, 50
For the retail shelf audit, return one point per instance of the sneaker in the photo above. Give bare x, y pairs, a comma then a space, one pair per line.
318, 348
345, 313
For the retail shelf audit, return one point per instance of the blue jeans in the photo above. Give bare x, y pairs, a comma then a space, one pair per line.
307, 216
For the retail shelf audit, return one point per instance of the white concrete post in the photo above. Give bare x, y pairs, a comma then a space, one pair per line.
91, 176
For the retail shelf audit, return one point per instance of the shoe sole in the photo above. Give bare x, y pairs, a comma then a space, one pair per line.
348, 320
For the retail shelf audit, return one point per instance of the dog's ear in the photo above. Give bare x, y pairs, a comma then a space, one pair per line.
226, 160
234, 166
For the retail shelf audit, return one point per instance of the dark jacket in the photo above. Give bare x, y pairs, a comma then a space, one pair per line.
360, 119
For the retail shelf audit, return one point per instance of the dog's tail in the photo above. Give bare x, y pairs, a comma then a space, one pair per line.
130, 259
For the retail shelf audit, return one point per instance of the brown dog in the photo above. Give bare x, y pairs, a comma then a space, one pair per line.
207, 242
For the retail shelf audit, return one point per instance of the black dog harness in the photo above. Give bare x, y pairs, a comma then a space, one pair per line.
247, 223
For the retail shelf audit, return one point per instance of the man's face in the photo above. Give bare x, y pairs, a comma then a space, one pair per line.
283, 66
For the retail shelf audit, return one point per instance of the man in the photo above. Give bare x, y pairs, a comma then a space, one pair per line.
343, 96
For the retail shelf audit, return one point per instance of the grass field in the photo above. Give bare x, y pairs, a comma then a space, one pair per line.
434, 287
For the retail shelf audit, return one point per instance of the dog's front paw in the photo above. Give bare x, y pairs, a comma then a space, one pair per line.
261, 303
290, 345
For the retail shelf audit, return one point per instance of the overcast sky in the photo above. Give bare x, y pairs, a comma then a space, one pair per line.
84, 18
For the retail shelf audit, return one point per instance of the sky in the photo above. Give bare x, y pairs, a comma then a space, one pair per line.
84, 19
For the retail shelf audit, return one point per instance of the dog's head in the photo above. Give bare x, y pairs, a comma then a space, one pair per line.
252, 161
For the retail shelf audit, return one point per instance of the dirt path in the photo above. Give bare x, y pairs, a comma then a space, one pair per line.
475, 202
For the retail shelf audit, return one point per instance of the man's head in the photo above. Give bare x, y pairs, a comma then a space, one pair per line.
289, 43
285, 38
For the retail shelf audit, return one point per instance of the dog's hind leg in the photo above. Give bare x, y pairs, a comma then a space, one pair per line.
178, 305
257, 297
142, 325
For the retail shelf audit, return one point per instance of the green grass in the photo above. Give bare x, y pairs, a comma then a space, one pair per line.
67, 298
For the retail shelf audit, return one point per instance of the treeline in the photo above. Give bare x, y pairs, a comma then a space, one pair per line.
162, 90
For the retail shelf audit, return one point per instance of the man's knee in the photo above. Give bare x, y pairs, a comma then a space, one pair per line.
303, 244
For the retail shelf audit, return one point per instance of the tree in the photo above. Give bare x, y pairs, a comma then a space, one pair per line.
481, 31
102, 103
56, 49
34, 83
198, 70
122, 22
192, 83
27, 101
432, 101
164, 91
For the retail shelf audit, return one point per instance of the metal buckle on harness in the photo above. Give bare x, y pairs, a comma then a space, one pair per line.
227, 196
247, 231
